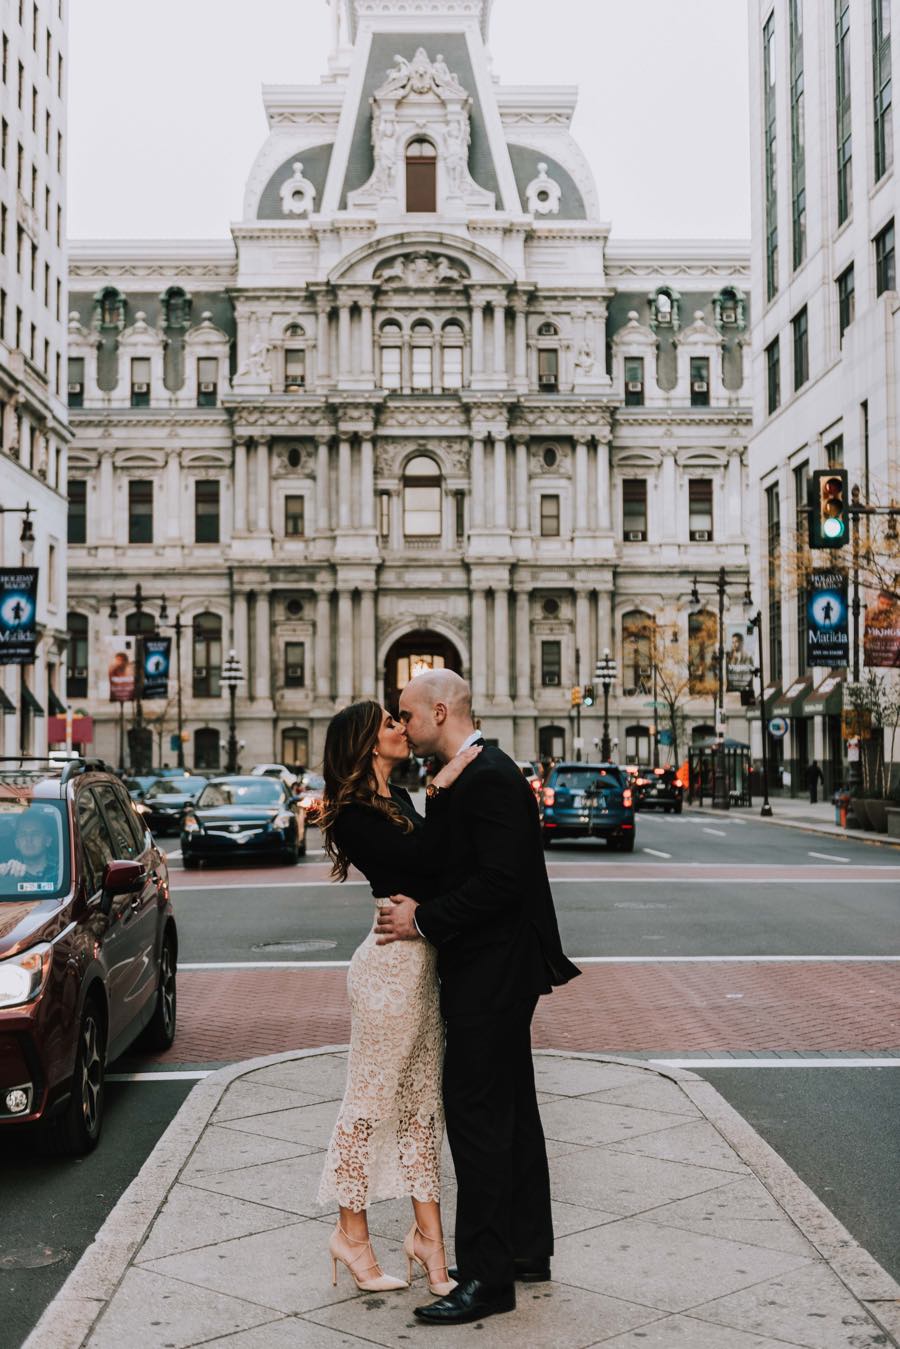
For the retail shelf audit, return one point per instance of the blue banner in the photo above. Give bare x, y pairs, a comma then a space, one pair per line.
156, 656
18, 616
827, 639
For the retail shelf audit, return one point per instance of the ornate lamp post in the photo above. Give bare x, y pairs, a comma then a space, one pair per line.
604, 675
138, 599
720, 799
232, 675
755, 623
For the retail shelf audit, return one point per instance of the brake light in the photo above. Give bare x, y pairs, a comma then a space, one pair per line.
536, 786
641, 782
626, 797
679, 783
549, 796
659, 772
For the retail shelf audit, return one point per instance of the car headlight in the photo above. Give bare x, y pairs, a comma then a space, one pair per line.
23, 976
282, 820
190, 824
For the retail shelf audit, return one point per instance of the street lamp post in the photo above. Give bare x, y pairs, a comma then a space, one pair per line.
756, 623
604, 675
720, 800
232, 675
138, 599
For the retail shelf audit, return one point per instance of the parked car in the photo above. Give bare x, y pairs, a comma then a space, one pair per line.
138, 787
240, 817
309, 792
584, 800
659, 789
88, 946
274, 770
532, 774
164, 802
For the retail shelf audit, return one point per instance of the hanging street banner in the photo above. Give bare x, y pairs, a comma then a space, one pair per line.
827, 640
120, 653
156, 655
881, 634
740, 657
703, 637
18, 616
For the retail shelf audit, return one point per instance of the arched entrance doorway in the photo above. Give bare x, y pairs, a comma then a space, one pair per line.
410, 655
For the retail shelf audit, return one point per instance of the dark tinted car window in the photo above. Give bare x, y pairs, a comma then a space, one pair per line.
95, 839
580, 779
174, 787
126, 842
242, 792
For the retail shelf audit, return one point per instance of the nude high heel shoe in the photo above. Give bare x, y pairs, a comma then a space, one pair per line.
409, 1250
381, 1283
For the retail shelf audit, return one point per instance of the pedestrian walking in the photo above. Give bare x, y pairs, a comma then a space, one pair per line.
813, 778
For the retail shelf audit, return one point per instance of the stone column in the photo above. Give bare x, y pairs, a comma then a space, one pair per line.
500, 511
477, 486
479, 650
344, 646
344, 485
323, 487
585, 675
406, 366
732, 498
397, 518
173, 498
604, 504
240, 486
106, 513
238, 630
581, 483
520, 362
605, 635
477, 337
323, 340
323, 645
501, 644
523, 648
344, 350
263, 645
366, 354
499, 323
367, 643
522, 522
262, 484
367, 484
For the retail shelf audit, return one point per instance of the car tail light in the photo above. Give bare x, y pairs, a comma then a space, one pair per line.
536, 786
641, 782
626, 797
549, 796
678, 783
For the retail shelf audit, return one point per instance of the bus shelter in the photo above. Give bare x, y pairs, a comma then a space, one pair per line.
712, 757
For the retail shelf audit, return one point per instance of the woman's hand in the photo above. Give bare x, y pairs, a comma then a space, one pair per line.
451, 770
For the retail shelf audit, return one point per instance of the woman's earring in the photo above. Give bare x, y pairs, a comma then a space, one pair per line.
374, 753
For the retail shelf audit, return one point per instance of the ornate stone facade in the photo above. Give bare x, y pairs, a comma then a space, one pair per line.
422, 436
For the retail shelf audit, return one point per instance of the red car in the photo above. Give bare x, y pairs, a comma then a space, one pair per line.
88, 945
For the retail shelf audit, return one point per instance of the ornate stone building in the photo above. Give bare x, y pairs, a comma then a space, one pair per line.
420, 409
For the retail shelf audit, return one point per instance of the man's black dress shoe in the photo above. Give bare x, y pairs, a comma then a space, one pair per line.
469, 1301
526, 1271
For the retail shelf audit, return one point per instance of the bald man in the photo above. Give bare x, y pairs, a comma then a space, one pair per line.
497, 939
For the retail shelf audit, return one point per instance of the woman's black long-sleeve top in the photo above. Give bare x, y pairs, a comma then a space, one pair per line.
393, 861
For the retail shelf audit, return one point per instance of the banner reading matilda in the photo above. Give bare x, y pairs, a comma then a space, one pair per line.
18, 613
827, 641
156, 652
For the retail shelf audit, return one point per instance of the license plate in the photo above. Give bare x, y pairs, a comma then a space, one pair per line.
577, 798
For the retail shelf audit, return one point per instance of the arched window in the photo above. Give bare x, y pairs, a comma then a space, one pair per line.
294, 358
453, 341
207, 655
637, 744
548, 330
637, 652
176, 307
421, 498
295, 748
391, 341
421, 176
422, 355
206, 748
548, 357
77, 656
111, 305
139, 624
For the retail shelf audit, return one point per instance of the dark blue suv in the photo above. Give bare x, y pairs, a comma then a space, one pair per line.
588, 800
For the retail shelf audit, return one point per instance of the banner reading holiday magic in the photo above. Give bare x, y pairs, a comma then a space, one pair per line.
827, 640
18, 616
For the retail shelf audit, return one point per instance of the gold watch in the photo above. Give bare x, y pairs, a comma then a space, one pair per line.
433, 792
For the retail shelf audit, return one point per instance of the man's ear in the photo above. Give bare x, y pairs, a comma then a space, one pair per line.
440, 713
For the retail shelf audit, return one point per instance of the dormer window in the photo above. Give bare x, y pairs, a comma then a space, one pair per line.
664, 308
548, 357
421, 177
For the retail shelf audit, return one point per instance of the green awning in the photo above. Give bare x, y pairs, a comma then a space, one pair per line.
29, 701
790, 704
57, 706
771, 693
6, 707
828, 699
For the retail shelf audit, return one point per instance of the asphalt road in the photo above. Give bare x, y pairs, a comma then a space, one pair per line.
697, 886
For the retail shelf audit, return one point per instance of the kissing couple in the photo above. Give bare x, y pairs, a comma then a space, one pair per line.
442, 992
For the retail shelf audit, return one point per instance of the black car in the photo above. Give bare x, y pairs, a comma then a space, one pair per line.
659, 789
240, 817
164, 802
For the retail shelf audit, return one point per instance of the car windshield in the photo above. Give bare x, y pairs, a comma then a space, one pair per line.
242, 792
313, 782
34, 846
174, 787
582, 779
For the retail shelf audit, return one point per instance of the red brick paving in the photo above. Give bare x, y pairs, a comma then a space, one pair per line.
227, 1015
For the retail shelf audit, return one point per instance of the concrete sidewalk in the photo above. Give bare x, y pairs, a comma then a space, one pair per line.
676, 1226
798, 813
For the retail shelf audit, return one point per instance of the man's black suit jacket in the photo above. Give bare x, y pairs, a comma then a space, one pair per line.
492, 918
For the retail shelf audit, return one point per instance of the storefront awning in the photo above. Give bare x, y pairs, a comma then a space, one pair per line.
827, 699
6, 707
29, 701
790, 704
57, 706
770, 693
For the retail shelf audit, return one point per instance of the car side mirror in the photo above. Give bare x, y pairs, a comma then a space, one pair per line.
120, 878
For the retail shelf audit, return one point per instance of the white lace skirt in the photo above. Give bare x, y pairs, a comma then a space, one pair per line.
387, 1139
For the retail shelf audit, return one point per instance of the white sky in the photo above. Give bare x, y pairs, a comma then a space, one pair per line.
165, 112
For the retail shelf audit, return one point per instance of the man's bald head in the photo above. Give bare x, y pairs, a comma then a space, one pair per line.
442, 686
436, 707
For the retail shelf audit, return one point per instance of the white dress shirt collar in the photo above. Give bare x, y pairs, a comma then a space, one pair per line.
469, 740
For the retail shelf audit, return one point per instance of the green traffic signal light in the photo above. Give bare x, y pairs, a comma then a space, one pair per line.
588, 695
828, 518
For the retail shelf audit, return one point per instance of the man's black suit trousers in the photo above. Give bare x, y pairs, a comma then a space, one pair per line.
495, 1135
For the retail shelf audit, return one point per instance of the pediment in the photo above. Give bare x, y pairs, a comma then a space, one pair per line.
701, 458
427, 260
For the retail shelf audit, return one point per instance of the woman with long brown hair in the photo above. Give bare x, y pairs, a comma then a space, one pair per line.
387, 1139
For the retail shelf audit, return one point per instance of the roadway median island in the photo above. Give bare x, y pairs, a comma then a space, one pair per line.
676, 1224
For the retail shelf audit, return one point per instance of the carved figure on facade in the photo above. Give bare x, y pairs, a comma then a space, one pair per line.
584, 358
420, 76
543, 193
421, 269
298, 194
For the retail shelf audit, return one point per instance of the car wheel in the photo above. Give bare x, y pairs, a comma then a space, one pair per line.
159, 1032
301, 847
626, 844
290, 855
679, 808
546, 838
77, 1130
190, 863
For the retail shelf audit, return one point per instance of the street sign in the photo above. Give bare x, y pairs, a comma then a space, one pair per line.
778, 727
665, 737
853, 750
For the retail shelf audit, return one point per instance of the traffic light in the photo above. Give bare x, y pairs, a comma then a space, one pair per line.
576, 695
588, 695
829, 521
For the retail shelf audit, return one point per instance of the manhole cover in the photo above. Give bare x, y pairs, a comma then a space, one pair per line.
314, 944
31, 1257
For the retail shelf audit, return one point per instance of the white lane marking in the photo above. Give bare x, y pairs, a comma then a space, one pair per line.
579, 960
829, 856
720, 832
572, 880
656, 853
700, 1064
159, 1077
270, 885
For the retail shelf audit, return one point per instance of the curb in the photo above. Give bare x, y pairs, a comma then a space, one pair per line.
827, 831
70, 1317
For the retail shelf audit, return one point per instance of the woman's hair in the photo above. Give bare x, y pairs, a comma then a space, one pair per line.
349, 778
